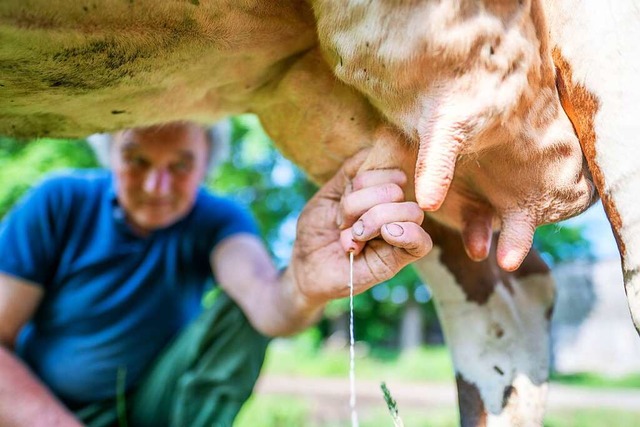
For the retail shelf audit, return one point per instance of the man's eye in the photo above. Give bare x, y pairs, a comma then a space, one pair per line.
136, 162
181, 167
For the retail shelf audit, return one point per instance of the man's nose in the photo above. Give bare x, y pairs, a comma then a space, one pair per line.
157, 182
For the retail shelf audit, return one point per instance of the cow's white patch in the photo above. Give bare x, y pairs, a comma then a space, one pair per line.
527, 412
632, 287
502, 343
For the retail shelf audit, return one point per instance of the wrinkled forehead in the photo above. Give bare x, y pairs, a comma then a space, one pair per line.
170, 136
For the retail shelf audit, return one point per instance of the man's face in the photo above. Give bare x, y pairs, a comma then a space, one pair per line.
158, 171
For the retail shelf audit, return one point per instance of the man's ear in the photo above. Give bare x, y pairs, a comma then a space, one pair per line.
101, 144
219, 143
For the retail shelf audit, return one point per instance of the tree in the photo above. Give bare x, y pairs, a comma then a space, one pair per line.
256, 175
22, 164
561, 243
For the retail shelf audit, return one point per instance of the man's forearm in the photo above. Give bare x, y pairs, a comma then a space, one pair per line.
297, 312
24, 401
271, 300
276, 307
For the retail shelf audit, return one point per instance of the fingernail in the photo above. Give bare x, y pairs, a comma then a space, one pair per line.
358, 228
394, 229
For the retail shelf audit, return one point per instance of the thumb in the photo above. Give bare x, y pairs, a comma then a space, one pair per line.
408, 241
402, 243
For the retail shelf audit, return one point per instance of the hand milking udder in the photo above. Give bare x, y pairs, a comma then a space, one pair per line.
374, 209
510, 187
476, 93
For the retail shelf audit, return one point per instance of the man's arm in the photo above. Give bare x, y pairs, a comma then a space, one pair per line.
24, 401
282, 304
245, 271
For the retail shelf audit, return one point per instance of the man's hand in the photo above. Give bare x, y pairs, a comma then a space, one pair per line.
366, 213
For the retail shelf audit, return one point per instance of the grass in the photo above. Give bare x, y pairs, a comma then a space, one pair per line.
272, 411
592, 418
590, 379
424, 364
298, 357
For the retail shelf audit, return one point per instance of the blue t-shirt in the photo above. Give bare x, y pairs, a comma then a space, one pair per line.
112, 299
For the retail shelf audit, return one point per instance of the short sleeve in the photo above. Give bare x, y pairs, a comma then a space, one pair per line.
30, 234
218, 218
235, 221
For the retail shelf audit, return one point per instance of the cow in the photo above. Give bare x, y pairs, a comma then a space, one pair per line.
484, 102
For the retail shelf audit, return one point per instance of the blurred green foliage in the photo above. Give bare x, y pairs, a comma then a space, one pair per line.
561, 243
257, 176
23, 164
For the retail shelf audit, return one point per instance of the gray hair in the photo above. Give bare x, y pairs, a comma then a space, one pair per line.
218, 138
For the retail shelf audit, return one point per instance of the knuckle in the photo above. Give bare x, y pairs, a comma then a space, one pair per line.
417, 241
400, 177
347, 205
391, 192
358, 182
374, 216
416, 213
347, 219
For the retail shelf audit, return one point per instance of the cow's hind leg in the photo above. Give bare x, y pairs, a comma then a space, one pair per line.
497, 327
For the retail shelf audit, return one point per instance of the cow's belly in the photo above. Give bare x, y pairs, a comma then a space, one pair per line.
115, 64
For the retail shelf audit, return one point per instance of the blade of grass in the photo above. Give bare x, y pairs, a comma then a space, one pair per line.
392, 405
121, 397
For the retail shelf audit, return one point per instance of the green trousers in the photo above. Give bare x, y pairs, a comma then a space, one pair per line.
200, 379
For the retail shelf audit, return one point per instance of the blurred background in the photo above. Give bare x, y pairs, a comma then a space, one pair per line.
595, 350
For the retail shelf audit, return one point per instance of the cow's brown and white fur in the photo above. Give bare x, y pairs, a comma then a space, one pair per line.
71, 68
599, 70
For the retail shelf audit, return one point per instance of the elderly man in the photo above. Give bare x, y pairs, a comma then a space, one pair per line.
102, 275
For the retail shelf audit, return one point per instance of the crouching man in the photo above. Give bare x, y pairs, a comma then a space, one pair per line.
102, 274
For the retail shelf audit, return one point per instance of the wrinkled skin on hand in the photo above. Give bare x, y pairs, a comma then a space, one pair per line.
389, 225
472, 85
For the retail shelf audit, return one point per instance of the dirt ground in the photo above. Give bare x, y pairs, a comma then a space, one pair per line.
334, 394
